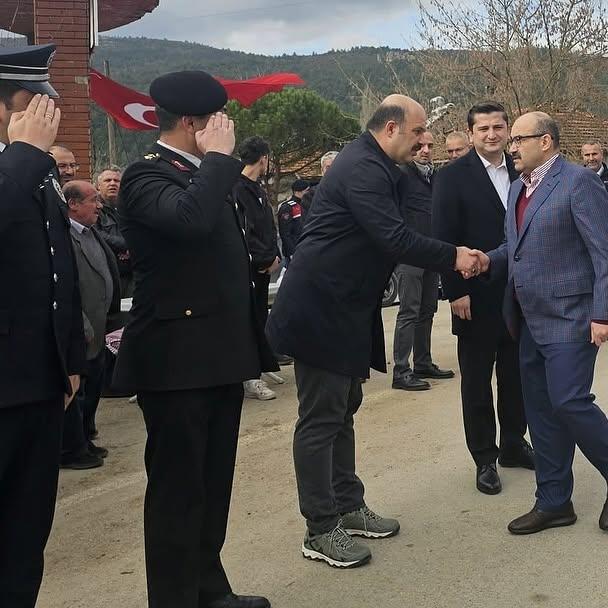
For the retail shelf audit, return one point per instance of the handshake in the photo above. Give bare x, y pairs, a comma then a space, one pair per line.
471, 262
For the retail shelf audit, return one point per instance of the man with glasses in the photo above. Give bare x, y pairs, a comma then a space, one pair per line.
457, 145
556, 258
469, 202
66, 163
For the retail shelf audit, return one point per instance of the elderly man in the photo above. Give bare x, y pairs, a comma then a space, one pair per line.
418, 287
108, 184
66, 163
327, 315
457, 145
593, 158
556, 258
100, 295
41, 334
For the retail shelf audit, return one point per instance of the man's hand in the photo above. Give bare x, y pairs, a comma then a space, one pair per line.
462, 308
471, 262
37, 125
599, 333
273, 266
75, 383
217, 136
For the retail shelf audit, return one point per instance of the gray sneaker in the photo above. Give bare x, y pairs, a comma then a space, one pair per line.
336, 548
364, 522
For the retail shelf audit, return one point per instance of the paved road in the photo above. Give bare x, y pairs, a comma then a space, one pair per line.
453, 551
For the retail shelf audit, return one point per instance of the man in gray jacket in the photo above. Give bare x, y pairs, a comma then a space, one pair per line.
100, 294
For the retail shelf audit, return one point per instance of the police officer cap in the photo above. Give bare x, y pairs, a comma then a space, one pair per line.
188, 93
28, 67
299, 185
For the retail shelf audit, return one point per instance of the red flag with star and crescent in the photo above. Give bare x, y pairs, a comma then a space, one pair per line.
135, 111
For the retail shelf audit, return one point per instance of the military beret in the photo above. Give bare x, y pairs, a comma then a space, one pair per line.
28, 67
299, 185
188, 93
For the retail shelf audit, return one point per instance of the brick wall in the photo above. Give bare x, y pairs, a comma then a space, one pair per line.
66, 23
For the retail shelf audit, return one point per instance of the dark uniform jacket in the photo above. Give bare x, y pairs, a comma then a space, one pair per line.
467, 210
261, 233
327, 312
306, 202
93, 295
193, 322
41, 333
418, 203
290, 222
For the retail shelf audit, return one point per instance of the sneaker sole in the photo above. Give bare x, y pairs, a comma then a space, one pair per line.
369, 534
315, 555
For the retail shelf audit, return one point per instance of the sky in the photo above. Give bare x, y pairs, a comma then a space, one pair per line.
274, 27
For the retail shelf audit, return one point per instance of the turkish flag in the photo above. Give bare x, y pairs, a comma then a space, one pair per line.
133, 110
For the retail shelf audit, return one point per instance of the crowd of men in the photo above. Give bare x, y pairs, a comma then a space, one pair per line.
516, 233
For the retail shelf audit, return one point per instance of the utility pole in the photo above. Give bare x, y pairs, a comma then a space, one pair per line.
111, 133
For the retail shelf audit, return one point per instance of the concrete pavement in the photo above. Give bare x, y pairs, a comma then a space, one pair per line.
453, 550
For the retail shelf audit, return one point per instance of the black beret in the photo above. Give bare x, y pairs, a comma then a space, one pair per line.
188, 93
299, 185
28, 67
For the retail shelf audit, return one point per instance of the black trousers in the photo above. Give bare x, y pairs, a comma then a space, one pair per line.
30, 443
79, 423
261, 283
477, 354
190, 457
324, 446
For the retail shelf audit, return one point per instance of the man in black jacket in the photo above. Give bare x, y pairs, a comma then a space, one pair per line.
290, 218
327, 315
469, 203
41, 333
418, 287
592, 153
192, 340
261, 235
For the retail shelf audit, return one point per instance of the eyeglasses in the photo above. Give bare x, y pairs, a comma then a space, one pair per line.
64, 166
516, 141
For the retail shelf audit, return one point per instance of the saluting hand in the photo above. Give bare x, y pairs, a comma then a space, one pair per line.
217, 136
37, 125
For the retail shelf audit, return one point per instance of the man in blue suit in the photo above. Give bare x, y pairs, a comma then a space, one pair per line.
556, 256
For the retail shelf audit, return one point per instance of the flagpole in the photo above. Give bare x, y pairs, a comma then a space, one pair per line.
110, 121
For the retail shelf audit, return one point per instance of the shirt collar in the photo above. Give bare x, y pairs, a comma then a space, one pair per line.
78, 226
600, 171
195, 160
531, 180
487, 163
2, 147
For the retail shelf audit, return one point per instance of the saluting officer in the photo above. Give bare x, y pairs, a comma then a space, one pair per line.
193, 338
42, 350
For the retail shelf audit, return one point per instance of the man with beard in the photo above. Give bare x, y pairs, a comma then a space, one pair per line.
593, 158
66, 163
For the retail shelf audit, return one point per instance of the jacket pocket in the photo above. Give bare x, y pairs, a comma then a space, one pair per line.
574, 287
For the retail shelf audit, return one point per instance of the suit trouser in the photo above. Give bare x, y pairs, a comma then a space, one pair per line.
261, 283
190, 456
324, 446
477, 354
561, 413
79, 423
30, 442
418, 294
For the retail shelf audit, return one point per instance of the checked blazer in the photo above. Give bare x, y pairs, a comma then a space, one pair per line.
558, 262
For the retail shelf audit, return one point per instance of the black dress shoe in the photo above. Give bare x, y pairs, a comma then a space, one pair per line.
537, 520
604, 517
97, 450
239, 601
411, 383
80, 462
522, 457
434, 372
488, 480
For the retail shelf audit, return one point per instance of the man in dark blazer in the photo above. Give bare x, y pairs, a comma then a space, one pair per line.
41, 335
469, 202
555, 256
192, 340
327, 315
100, 296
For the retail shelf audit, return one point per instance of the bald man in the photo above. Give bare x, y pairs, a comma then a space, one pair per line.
556, 259
327, 315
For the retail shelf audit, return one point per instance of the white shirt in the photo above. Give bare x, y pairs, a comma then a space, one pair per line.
600, 171
2, 147
78, 226
499, 176
195, 160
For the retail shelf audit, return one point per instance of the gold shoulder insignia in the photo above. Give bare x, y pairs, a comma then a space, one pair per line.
152, 156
